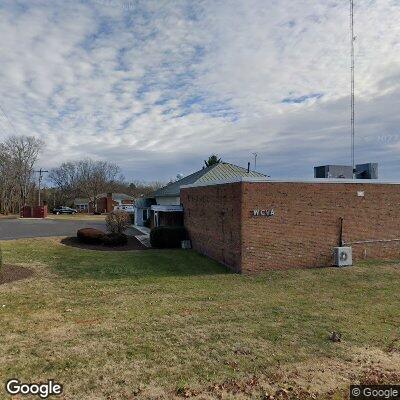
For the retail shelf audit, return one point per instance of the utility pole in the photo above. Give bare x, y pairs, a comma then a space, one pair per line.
40, 172
255, 161
352, 40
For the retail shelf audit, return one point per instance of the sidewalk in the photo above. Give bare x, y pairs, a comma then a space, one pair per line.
145, 237
143, 229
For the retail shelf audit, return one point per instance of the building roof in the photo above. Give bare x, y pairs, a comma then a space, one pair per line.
118, 196
145, 202
217, 172
312, 181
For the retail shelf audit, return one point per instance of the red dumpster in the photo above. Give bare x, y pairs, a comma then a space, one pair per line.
26, 212
39, 212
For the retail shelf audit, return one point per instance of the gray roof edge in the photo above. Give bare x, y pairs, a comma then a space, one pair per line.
168, 194
161, 192
308, 181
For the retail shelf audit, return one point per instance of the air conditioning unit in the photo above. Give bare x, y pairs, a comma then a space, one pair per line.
343, 256
186, 244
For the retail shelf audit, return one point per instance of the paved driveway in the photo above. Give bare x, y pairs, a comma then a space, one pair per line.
27, 228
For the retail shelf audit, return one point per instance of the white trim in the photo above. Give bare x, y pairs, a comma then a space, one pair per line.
308, 181
171, 208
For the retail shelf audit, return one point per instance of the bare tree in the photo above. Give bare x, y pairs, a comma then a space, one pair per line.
24, 151
66, 181
18, 155
87, 178
139, 188
96, 177
8, 189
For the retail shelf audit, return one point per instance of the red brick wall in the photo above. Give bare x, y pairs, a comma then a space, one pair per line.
213, 219
104, 204
304, 229
109, 204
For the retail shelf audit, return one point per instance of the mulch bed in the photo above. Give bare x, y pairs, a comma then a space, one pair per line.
11, 273
133, 244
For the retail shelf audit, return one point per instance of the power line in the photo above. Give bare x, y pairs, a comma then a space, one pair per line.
40, 172
8, 120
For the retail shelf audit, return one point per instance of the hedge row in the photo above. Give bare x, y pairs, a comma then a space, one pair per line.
96, 236
167, 237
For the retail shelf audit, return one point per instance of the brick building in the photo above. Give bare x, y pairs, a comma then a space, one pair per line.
168, 209
253, 225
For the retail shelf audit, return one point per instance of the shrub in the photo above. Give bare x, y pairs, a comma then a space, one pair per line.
90, 235
117, 221
115, 239
167, 237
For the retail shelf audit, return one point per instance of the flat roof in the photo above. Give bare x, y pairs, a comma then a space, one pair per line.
309, 181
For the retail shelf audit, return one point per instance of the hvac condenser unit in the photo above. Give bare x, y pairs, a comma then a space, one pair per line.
343, 256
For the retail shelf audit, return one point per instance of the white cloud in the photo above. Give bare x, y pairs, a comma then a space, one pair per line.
158, 85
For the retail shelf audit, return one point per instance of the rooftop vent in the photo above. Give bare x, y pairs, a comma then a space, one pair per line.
362, 171
333, 172
367, 171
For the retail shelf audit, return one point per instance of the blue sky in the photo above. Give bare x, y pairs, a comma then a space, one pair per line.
156, 86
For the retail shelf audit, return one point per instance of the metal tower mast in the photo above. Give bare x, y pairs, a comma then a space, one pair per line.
255, 161
353, 38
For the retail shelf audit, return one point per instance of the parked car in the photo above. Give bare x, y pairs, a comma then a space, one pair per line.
129, 208
64, 210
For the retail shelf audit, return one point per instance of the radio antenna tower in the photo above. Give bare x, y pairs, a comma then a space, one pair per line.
255, 161
353, 38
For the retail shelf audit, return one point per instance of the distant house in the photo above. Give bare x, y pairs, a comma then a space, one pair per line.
169, 211
106, 202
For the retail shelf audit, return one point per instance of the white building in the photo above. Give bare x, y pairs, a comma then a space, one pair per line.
142, 209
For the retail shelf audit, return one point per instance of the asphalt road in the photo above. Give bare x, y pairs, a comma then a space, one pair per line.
28, 228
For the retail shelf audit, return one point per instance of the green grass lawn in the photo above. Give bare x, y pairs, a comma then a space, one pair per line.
159, 324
